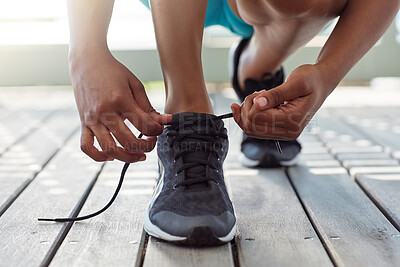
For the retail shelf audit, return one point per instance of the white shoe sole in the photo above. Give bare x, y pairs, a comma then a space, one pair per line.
155, 231
255, 163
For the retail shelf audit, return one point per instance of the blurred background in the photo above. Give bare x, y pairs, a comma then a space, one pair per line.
34, 47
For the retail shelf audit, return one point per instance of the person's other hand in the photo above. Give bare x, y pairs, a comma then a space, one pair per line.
106, 94
283, 112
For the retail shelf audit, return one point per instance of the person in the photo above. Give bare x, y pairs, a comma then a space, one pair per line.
190, 204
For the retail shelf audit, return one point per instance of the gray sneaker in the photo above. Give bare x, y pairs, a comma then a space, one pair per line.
190, 204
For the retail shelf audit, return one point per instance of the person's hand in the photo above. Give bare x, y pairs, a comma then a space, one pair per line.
106, 94
283, 112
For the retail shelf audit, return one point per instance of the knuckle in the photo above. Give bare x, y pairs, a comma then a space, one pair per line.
118, 100
277, 96
138, 85
303, 87
99, 108
90, 118
110, 149
84, 148
153, 129
247, 125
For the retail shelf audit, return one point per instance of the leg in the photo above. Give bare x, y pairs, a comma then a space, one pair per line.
179, 32
280, 28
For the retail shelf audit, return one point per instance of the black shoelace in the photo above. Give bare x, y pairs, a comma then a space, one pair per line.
186, 182
207, 142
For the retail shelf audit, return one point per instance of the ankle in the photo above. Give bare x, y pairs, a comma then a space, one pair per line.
188, 104
252, 65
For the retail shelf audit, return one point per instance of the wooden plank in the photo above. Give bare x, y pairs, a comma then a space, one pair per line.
365, 155
274, 229
114, 238
381, 127
351, 163
355, 232
13, 128
20, 164
55, 192
384, 190
160, 253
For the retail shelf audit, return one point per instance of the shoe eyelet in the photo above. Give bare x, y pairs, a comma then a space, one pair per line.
176, 175
217, 171
218, 159
174, 187
217, 183
174, 160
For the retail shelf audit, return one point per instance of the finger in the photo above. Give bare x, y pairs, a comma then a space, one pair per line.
275, 97
139, 93
109, 147
141, 120
127, 139
160, 118
87, 141
236, 113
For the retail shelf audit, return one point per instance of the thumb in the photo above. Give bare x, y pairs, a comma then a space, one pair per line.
274, 97
160, 118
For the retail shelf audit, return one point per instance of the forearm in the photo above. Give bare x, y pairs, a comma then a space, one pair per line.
360, 26
88, 22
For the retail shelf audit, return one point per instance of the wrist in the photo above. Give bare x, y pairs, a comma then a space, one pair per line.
82, 51
81, 54
328, 76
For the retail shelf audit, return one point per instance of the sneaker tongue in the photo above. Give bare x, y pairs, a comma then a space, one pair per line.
196, 148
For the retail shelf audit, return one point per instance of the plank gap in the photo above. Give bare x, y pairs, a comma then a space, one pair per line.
31, 130
378, 205
361, 132
235, 253
64, 231
18, 192
142, 251
331, 257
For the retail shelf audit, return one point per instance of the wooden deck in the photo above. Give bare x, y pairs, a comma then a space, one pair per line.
339, 207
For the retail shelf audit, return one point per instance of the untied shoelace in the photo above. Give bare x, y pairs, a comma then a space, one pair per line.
121, 180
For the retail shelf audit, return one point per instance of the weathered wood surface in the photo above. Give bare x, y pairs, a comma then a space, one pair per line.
384, 190
353, 229
56, 191
273, 227
314, 214
22, 161
116, 237
18, 124
160, 253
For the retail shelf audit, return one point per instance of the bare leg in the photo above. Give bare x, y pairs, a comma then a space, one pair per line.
280, 28
179, 32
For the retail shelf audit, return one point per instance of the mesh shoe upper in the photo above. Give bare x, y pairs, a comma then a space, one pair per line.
191, 152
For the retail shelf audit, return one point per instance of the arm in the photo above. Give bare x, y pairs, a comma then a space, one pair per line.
360, 26
106, 92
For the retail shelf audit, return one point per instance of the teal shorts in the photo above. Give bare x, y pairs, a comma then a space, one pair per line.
220, 13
